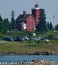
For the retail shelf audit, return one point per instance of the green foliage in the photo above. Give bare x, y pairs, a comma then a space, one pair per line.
1, 24
1, 18
42, 22
50, 26
13, 24
6, 25
51, 37
56, 27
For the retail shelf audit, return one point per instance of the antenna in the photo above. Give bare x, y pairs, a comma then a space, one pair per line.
54, 21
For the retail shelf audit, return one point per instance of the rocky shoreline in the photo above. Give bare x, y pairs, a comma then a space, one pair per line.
35, 53
34, 62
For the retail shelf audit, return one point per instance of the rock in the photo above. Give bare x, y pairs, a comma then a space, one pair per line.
42, 53
36, 61
36, 53
45, 53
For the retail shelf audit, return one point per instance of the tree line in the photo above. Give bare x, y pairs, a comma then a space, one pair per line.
43, 25
6, 25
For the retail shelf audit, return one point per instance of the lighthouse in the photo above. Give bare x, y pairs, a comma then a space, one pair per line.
36, 13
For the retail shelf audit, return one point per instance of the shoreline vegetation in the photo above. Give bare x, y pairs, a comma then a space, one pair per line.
34, 62
29, 48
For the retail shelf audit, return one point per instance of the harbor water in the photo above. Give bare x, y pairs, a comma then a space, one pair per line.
27, 58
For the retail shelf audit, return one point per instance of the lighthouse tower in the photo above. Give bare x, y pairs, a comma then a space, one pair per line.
36, 13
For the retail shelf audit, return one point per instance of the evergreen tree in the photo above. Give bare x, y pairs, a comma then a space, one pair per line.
13, 20
1, 18
6, 25
1, 24
50, 26
56, 27
42, 27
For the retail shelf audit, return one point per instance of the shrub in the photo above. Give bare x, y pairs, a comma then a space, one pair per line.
51, 37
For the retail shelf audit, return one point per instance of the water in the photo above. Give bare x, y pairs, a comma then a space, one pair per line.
27, 58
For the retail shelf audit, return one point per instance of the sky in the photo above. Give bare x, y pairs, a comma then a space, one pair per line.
50, 6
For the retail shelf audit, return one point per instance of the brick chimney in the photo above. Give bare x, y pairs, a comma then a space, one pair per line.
24, 13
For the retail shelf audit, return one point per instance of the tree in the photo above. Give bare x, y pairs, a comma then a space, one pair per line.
1, 24
6, 25
50, 26
13, 20
42, 27
56, 27
1, 18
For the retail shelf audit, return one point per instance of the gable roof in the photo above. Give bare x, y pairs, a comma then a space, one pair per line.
21, 17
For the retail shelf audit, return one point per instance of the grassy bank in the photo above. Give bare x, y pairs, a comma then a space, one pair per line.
29, 47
